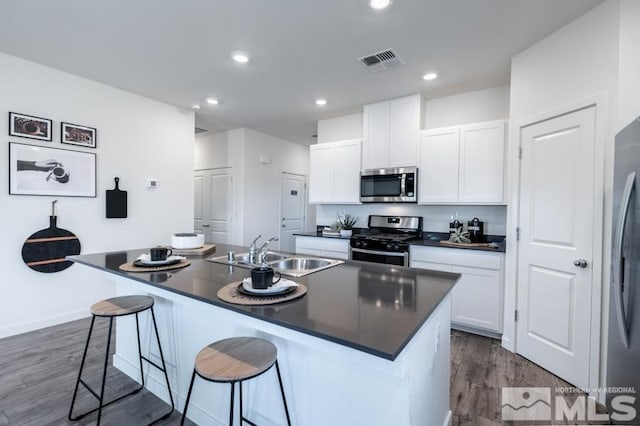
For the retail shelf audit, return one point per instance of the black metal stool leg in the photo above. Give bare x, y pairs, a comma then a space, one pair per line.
164, 366
241, 412
186, 403
231, 407
284, 400
139, 351
104, 371
84, 357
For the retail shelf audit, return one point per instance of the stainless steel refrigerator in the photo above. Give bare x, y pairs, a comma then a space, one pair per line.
623, 355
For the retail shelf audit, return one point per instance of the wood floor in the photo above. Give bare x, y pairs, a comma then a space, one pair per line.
38, 372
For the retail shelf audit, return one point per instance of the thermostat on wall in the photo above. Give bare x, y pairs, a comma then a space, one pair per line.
152, 183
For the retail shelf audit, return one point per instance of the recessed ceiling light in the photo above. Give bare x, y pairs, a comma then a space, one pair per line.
321, 102
195, 106
430, 76
379, 4
212, 101
240, 57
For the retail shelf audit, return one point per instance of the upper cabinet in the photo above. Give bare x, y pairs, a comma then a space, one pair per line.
462, 164
391, 133
334, 172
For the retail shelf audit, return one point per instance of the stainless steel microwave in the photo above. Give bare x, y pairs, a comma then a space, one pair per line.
398, 185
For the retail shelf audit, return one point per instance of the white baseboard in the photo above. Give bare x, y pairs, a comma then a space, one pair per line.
25, 327
447, 420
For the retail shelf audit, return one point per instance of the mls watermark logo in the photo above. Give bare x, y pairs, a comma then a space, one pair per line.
526, 403
536, 404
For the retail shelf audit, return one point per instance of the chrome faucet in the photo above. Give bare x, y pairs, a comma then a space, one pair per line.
262, 252
252, 250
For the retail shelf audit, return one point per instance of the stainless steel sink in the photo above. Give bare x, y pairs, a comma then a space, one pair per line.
243, 259
294, 266
269, 257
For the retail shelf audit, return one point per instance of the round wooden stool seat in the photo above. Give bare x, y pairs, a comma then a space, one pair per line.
123, 305
235, 359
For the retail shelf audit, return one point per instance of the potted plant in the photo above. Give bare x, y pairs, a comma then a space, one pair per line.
347, 222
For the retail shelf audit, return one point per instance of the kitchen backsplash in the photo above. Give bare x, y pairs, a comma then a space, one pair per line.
435, 218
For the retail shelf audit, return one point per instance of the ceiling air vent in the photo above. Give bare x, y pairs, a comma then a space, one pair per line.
381, 61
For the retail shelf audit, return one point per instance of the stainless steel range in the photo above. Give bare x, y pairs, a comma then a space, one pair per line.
386, 240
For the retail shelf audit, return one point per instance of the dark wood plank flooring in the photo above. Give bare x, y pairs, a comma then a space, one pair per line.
38, 372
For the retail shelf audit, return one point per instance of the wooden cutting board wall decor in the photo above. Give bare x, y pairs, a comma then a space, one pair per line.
45, 250
116, 202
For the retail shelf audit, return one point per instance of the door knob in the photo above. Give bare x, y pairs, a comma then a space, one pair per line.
284, 226
580, 263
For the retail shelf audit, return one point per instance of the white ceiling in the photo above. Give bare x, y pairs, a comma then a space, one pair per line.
178, 51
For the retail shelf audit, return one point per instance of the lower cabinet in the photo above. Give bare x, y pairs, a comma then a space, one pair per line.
477, 298
336, 248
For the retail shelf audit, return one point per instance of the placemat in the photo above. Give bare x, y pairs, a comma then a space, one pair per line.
130, 267
229, 293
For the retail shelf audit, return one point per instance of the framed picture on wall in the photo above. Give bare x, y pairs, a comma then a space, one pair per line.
74, 134
40, 170
28, 126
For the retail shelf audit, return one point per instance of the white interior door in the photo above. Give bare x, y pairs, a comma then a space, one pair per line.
292, 209
198, 202
557, 196
213, 204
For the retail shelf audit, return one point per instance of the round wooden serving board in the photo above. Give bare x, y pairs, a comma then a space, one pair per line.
45, 250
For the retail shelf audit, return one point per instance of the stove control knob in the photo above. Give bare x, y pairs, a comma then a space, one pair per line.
389, 246
364, 244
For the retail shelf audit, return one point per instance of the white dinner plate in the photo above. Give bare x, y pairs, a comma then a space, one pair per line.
281, 287
145, 260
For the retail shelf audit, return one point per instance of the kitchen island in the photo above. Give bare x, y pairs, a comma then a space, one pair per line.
368, 344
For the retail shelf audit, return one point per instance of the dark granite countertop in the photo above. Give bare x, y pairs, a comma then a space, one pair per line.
431, 239
369, 307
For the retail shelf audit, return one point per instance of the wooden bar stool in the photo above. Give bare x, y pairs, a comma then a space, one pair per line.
236, 360
111, 308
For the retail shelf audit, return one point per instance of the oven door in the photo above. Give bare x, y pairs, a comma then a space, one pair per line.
388, 258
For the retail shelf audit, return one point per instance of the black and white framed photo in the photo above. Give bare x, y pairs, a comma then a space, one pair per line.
74, 134
40, 170
28, 126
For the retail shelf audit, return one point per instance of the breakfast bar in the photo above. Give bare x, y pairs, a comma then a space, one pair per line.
367, 344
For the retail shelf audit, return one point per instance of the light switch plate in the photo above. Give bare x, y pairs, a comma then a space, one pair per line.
152, 183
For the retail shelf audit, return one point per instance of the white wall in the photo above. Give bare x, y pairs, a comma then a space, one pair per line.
256, 184
571, 67
470, 107
263, 182
463, 108
340, 128
137, 138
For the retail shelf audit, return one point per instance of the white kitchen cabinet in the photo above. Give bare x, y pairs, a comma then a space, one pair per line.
375, 149
477, 298
334, 172
438, 166
391, 133
462, 164
482, 163
336, 248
